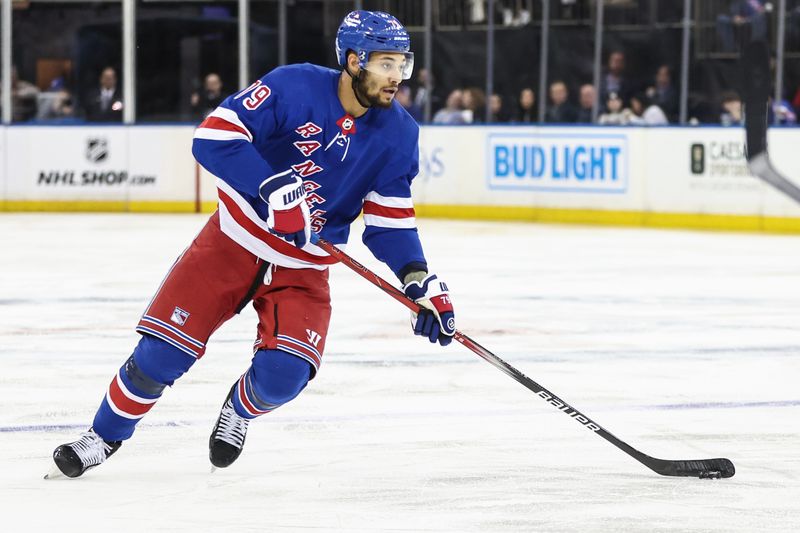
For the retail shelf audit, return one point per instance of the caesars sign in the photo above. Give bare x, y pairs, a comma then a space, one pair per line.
720, 164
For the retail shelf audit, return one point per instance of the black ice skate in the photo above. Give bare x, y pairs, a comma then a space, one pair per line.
227, 438
75, 458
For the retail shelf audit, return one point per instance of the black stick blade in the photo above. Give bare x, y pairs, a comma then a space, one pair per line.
702, 468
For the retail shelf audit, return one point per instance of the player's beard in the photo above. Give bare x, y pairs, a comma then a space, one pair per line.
368, 88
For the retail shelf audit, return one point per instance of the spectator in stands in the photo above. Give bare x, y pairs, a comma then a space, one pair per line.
645, 112
796, 100
56, 102
742, 13
663, 93
586, 101
477, 11
403, 98
613, 79
499, 113
614, 115
474, 102
731, 109
561, 111
104, 103
208, 99
420, 93
780, 112
516, 15
526, 113
24, 96
452, 112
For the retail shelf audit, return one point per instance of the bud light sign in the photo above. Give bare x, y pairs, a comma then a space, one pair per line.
592, 163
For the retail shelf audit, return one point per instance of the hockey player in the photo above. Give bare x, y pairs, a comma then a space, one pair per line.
303, 149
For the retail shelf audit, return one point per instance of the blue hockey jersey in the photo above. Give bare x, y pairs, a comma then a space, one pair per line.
292, 118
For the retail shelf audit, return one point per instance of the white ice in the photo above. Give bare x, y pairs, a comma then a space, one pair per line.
683, 344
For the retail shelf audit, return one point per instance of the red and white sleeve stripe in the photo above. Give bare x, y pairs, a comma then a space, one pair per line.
223, 125
240, 222
389, 211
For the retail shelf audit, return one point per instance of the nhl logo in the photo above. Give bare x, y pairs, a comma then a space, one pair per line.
97, 149
179, 316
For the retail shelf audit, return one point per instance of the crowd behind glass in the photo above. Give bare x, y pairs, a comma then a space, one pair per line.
627, 96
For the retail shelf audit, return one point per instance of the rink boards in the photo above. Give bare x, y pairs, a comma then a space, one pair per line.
674, 177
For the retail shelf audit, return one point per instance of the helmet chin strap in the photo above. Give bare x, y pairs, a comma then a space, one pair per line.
354, 84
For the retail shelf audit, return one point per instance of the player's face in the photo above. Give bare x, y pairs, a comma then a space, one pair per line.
379, 82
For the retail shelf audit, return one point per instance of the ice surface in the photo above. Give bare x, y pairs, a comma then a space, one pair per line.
683, 344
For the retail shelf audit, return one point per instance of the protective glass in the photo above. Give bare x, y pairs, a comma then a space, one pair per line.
395, 65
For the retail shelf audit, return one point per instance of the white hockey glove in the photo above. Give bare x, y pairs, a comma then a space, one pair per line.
288, 212
436, 320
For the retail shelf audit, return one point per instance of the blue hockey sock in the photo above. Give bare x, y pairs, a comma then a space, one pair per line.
274, 378
137, 386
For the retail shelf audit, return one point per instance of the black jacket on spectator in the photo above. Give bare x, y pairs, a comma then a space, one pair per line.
525, 116
561, 114
667, 100
584, 116
501, 116
95, 112
625, 90
206, 104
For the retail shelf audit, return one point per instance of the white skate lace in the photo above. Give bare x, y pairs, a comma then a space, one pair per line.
91, 449
232, 428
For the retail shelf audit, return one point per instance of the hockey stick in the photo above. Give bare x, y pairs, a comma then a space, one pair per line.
702, 468
755, 72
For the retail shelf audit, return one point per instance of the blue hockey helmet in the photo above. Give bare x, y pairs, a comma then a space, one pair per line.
365, 32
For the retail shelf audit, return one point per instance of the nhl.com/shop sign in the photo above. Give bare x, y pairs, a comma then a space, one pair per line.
558, 162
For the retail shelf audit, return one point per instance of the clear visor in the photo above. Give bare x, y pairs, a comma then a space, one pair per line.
391, 65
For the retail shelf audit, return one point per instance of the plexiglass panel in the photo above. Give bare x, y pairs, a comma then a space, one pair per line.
187, 58
66, 62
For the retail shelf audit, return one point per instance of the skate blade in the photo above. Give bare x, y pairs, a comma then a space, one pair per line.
54, 473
